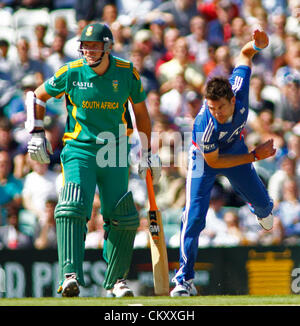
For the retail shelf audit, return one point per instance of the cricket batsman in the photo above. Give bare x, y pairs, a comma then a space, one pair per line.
97, 89
218, 148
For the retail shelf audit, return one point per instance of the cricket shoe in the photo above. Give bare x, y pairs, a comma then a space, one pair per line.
120, 290
70, 286
266, 222
186, 289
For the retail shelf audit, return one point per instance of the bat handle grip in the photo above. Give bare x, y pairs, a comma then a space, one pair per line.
151, 195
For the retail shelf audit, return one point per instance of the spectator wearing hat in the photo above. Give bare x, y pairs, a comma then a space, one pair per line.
142, 41
157, 27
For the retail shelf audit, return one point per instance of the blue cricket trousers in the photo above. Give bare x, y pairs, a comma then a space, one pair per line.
199, 182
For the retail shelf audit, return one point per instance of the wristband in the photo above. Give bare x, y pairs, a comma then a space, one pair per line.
256, 157
256, 48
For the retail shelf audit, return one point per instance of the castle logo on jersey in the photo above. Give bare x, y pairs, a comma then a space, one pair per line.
82, 85
115, 84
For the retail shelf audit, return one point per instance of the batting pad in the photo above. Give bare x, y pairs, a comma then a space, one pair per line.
70, 216
120, 235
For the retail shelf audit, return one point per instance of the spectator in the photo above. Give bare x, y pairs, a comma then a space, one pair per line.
154, 106
7, 87
46, 232
180, 64
157, 28
198, 45
141, 239
11, 237
177, 13
289, 66
134, 13
54, 133
58, 57
38, 48
5, 61
219, 29
232, 235
95, 232
240, 34
174, 102
24, 65
224, 65
277, 46
10, 187
288, 112
60, 28
7, 141
90, 9
38, 186
256, 100
288, 211
171, 189
147, 76
215, 225
109, 14
293, 148
193, 103
122, 46
142, 41
170, 36
286, 171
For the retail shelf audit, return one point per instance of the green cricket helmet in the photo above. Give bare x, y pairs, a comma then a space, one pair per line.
97, 32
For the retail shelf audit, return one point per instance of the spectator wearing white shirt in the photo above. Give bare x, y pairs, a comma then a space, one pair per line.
39, 185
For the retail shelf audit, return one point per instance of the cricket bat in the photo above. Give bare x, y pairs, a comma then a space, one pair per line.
158, 248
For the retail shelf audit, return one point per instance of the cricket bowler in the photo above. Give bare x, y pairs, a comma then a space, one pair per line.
97, 88
218, 148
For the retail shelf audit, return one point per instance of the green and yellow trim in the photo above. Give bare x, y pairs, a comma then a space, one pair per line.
129, 131
77, 129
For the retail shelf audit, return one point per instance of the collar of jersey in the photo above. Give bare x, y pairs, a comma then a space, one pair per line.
90, 73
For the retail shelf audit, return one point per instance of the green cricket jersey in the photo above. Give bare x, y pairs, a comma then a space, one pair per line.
96, 104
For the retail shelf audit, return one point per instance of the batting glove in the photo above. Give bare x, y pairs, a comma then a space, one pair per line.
152, 162
39, 147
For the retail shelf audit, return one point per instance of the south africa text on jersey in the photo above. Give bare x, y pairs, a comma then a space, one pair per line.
100, 105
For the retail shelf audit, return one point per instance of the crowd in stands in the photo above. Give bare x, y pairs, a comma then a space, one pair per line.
176, 46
